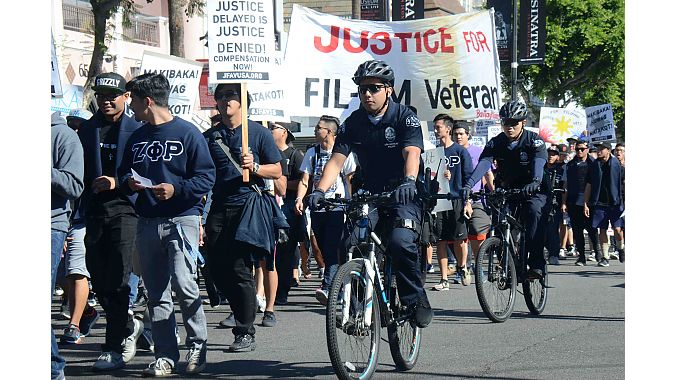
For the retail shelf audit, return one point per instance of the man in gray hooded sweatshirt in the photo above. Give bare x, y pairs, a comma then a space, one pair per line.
67, 185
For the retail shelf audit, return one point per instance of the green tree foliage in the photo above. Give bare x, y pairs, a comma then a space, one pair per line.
584, 59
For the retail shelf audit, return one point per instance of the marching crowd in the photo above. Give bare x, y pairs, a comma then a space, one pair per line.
144, 205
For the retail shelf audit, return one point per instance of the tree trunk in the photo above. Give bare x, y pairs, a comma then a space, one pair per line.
102, 10
176, 12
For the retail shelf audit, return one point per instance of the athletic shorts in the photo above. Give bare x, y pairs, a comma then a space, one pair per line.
75, 251
479, 224
452, 223
603, 215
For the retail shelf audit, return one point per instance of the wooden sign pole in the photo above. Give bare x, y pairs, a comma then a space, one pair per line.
244, 101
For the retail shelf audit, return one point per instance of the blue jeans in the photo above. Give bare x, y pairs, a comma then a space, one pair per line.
134, 280
58, 238
167, 264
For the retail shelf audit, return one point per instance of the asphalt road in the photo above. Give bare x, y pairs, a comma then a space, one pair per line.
579, 335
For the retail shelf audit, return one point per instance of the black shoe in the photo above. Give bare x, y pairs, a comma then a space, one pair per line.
281, 301
603, 263
598, 256
141, 300
581, 261
423, 312
228, 322
295, 283
243, 343
535, 274
269, 319
620, 253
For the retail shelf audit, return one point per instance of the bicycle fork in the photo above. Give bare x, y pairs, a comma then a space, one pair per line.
372, 272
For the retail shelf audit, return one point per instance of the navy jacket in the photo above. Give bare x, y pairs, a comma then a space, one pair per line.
572, 181
594, 177
90, 138
260, 220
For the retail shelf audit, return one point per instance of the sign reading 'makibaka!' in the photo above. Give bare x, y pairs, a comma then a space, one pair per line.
445, 64
241, 40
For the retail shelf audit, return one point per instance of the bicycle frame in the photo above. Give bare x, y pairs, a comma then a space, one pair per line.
507, 226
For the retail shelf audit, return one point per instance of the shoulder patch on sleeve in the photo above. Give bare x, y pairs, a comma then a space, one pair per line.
412, 121
537, 142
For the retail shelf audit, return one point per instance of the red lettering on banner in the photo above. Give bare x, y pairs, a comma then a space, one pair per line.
355, 49
333, 44
478, 41
446, 37
433, 41
403, 37
383, 37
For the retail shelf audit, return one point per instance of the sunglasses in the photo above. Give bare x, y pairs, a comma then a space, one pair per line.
580, 149
372, 88
319, 128
227, 94
105, 97
509, 122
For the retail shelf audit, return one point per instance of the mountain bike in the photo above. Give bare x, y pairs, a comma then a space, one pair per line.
501, 262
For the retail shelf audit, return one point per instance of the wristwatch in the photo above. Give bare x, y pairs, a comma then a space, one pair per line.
256, 167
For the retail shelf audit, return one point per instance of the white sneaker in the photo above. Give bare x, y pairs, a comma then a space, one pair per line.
562, 254
129, 344
261, 303
108, 361
614, 256
159, 368
591, 258
322, 296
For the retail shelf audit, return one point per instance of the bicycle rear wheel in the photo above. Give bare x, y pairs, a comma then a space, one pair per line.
403, 336
353, 346
535, 293
495, 283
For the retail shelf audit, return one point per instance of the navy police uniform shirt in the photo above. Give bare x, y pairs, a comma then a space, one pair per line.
515, 160
229, 189
379, 147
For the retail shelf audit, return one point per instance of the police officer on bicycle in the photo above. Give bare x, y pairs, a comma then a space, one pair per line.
387, 138
521, 157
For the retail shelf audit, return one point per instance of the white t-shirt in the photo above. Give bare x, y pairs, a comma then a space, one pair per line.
315, 170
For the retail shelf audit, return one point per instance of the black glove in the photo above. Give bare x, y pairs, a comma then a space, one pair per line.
405, 192
531, 188
466, 192
315, 198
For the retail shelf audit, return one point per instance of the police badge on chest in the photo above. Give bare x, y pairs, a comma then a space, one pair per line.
523, 159
390, 137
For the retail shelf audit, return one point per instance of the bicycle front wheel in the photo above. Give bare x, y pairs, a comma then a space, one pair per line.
535, 293
353, 346
495, 280
404, 336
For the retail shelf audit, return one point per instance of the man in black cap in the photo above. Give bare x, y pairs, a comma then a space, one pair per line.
110, 218
603, 198
553, 174
288, 253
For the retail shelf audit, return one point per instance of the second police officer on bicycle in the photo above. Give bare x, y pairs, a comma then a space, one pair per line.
387, 138
520, 156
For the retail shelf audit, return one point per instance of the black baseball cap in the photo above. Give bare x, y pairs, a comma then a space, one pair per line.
572, 140
289, 136
553, 148
603, 144
110, 82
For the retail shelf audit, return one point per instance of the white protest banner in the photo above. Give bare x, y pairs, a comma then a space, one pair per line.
267, 99
558, 124
57, 91
436, 161
443, 64
241, 40
183, 76
600, 125
71, 100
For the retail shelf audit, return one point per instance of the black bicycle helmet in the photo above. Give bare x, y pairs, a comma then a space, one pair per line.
374, 69
513, 110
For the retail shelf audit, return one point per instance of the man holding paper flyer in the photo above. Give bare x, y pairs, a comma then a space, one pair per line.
172, 154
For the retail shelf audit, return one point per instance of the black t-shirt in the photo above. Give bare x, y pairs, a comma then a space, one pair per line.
291, 160
604, 194
109, 203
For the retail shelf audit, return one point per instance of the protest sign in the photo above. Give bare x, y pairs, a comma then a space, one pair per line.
437, 162
57, 91
493, 130
444, 64
558, 124
267, 98
183, 76
72, 99
600, 125
241, 40
481, 127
